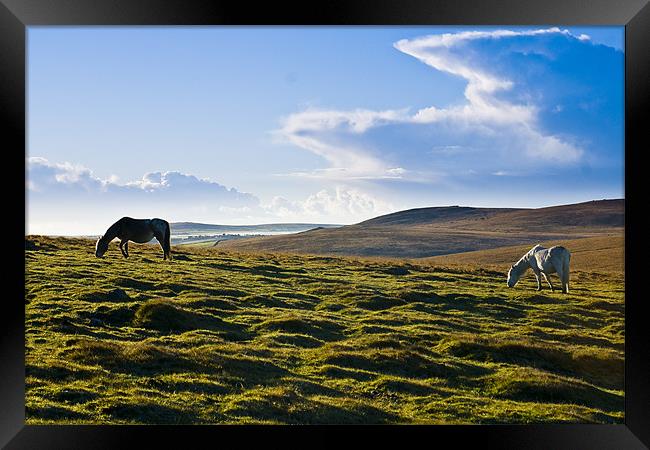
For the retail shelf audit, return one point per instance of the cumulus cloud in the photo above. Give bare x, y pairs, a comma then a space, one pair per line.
340, 204
59, 194
67, 198
49, 178
512, 77
179, 185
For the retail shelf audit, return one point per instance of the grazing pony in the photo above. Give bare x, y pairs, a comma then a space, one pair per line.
544, 261
136, 230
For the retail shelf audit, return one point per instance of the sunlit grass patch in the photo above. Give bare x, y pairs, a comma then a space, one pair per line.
534, 385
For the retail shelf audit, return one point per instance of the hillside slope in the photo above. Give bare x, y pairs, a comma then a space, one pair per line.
426, 232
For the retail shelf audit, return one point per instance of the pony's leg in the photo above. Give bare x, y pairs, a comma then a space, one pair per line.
160, 239
122, 249
539, 280
164, 244
548, 280
126, 248
565, 280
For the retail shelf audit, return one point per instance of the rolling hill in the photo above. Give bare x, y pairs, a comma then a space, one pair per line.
426, 232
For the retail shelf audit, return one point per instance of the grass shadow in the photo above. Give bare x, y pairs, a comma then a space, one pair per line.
605, 371
150, 413
325, 330
164, 316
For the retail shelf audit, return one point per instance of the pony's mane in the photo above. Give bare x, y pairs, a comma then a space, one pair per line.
110, 233
520, 266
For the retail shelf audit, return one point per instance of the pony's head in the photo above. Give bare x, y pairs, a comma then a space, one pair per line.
518, 269
513, 276
100, 247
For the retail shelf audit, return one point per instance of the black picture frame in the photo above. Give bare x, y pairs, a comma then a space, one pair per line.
16, 15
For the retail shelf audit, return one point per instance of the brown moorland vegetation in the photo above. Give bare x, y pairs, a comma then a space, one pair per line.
426, 232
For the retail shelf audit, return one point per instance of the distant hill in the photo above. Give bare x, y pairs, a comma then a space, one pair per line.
601, 213
425, 232
436, 215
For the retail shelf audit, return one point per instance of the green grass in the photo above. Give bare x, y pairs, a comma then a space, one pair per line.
220, 337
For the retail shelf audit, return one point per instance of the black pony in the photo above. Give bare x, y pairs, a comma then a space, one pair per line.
136, 230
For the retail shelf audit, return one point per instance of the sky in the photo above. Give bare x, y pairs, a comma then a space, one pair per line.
247, 125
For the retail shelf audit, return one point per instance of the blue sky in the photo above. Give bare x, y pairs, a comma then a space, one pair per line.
241, 125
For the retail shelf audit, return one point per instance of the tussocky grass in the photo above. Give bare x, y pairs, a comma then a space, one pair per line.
225, 337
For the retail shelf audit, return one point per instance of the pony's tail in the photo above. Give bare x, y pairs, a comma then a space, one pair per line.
168, 244
568, 264
567, 271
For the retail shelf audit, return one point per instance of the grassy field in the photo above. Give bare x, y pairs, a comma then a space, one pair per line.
221, 337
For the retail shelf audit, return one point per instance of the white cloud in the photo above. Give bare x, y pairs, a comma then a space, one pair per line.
65, 198
451, 39
46, 177
59, 194
512, 128
356, 121
341, 205
313, 129
483, 108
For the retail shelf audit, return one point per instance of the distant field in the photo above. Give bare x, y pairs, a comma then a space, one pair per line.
225, 337
601, 254
205, 243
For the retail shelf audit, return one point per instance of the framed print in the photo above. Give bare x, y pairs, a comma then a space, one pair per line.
329, 214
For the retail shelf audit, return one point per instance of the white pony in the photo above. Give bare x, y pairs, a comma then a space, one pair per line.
545, 262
